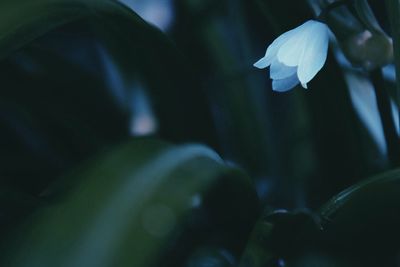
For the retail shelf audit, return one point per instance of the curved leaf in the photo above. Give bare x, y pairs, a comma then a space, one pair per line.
55, 112
137, 206
141, 53
365, 217
23, 21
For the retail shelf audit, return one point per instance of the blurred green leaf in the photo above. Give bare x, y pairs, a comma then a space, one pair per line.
57, 107
177, 96
127, 207
216, 39
280, 235
23, 21
358, 227
256, 253
53, 120
210, 256
362, 221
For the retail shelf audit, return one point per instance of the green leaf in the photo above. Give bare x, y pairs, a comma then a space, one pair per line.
52, 121
136, 206
22, 21
280, 235
256, 253
365, 217
210, 256
358, 227
61, 113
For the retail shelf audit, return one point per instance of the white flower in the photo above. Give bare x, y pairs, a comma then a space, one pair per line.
296, 56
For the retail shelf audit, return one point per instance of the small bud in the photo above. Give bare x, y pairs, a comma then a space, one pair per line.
359, 34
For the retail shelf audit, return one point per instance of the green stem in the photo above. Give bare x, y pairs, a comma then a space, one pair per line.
386, 114
393, 9
325, 11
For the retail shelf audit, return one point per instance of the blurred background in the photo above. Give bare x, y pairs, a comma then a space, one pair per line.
300, 147
77, 91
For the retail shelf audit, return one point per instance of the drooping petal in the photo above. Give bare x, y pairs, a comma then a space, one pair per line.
273, 49
283, 85
315, 53
292, 50
262, 63
280, 71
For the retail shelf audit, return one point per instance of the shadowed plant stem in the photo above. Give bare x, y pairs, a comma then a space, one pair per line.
393, 10
387, 119
322, 16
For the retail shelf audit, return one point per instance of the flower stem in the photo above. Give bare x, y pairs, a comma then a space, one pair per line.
393, 10
386, 115
325, 11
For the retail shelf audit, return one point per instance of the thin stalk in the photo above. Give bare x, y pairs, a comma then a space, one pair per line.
393, 10
386, 115
325, 11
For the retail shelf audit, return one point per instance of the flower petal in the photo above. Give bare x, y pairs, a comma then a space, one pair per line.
314, 55
262, 63
280, 71
292, 50
283, 85
273, 49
